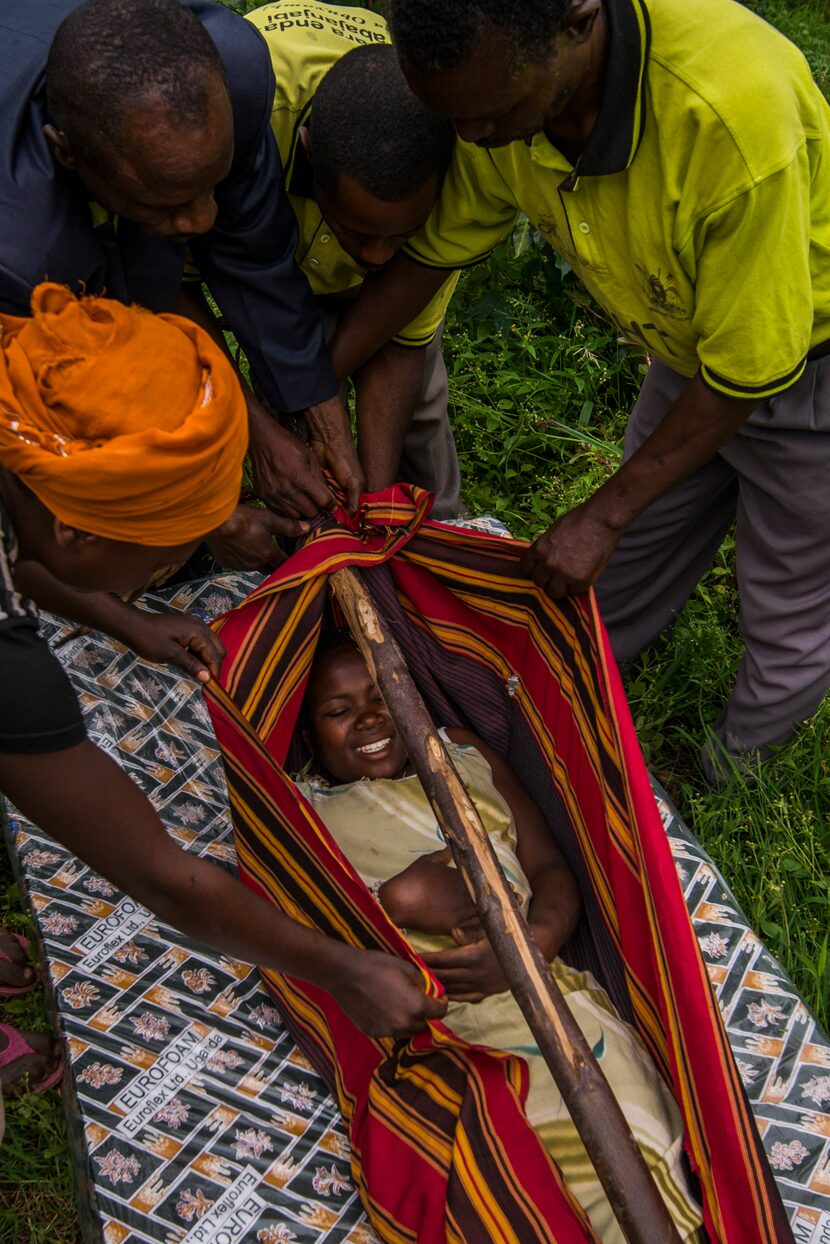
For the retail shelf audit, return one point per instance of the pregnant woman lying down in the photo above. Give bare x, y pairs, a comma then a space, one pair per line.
364, 789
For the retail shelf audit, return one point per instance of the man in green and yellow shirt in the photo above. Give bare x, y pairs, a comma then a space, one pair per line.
363, 161
678, 156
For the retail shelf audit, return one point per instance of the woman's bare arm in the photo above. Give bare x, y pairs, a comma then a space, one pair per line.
82, 798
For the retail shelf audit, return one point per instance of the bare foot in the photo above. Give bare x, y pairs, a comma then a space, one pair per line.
31, 1067
15, 970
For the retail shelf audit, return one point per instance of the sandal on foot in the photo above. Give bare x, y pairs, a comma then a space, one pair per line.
16, 991
18, 1047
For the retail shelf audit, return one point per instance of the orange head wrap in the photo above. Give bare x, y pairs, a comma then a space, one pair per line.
124, 424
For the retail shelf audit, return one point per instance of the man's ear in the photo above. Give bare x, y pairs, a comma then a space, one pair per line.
305, 139
72, 539
60, 147
580, 19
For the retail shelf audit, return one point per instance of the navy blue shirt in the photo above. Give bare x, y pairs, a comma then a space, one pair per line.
247, 258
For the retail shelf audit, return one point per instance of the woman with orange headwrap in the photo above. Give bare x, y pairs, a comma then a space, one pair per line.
122, 436
77, 381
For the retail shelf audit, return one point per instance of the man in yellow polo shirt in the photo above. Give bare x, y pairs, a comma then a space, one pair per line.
363, 161
678, 156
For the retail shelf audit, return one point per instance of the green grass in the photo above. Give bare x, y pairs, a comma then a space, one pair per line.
540, 395
36, 1179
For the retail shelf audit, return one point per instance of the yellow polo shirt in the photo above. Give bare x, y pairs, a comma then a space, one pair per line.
305, 40
698, 215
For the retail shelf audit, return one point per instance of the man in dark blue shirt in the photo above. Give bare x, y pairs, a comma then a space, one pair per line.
131, 131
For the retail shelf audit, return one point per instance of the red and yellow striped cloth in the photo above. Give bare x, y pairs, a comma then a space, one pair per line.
441, 1150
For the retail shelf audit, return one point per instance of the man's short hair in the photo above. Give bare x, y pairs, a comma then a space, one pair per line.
438, 35
367, 124
108, 56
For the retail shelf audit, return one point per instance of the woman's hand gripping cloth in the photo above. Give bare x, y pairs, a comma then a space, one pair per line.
125, 424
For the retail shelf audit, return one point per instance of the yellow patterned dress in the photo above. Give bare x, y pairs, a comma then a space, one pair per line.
383, 825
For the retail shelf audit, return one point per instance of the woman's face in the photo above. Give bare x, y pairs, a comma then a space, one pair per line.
350, 730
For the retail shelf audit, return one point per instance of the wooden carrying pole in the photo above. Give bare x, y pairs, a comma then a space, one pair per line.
631, 1191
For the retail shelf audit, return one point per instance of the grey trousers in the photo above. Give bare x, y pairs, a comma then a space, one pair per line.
429, 457
773, 479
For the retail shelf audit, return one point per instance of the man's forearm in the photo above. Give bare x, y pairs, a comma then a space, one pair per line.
574, 551
288, 478
387, 302
387, 390
696, 426
194, 305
